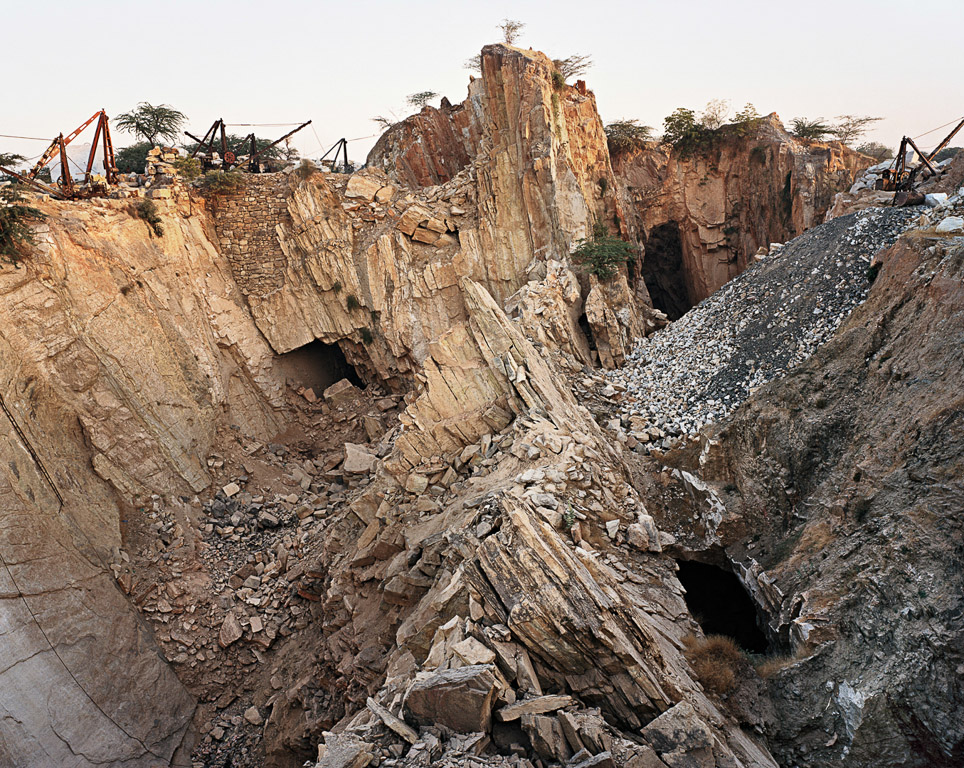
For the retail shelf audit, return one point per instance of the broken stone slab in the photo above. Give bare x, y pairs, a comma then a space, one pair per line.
358, 460
230, 631
394, 723
344, 751
602, 760
537, 706
363, 187
950, 225
460, 699
678, 729
416, 483
547, 737
253, 716
341, 392
472, 652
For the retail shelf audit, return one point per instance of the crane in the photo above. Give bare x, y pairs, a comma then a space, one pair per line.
59, 146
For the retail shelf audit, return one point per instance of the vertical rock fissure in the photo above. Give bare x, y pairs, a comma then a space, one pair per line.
664, 272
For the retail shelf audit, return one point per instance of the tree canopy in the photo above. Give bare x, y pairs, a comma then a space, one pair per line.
152, 122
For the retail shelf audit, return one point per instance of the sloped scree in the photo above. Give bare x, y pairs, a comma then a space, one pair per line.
764, 322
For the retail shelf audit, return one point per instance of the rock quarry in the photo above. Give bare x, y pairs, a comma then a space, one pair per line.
367, 470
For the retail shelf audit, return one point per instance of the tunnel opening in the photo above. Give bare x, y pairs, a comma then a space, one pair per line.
721, 605
663, 272
317, 365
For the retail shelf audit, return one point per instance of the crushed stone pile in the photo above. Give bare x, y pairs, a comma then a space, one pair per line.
761, 324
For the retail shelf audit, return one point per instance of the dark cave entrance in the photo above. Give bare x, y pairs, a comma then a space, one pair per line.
663, 270
721, 605
317, 365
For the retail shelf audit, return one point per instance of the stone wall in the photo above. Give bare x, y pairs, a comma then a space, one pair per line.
246, 223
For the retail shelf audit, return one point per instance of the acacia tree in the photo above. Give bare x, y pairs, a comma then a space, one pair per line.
849, 128
805, 128
876, 150
715, 113
151, 123
511, 29
10, 159
572, 66
626, 134
420, 99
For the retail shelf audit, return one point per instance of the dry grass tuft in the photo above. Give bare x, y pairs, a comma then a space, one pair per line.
768, 666
715, 660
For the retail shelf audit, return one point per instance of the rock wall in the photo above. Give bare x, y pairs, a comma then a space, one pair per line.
246, 223
121, 354
701, 217
540, 165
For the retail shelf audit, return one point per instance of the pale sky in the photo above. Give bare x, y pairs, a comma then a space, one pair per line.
340, 64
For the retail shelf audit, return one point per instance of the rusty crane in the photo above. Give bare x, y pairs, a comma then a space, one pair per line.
66, 188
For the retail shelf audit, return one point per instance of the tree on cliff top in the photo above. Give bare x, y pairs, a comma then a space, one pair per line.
511, 29
876, 150
152, 123
10, 159
849, 128
420, 99
623, 135
572, 66
816, 129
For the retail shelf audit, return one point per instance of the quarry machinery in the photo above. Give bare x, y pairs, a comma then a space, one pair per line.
93, 184
902, 178
228, 158
339, 147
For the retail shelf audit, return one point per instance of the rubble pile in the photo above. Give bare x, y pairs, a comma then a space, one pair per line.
763, 323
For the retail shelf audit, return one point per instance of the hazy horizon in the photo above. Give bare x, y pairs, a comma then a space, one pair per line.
340, 65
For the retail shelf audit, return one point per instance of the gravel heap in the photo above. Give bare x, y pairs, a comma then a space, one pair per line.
761, 324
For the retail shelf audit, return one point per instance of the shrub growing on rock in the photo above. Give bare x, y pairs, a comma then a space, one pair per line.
147, 210
602, 254
15, 221
715, 660
188, 168
222, 182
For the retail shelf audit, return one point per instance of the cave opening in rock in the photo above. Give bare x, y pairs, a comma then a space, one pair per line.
317, 365
721, 605
663, 270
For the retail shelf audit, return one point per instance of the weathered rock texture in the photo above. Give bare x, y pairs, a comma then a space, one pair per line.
540, 164
702, 216
494, 524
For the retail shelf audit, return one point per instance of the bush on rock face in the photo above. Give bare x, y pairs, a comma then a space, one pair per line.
602, 254
15, 221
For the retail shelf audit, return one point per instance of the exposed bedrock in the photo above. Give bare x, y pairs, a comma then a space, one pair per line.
703, 215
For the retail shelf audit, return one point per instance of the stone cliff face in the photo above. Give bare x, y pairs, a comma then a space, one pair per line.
539, 161
702, 217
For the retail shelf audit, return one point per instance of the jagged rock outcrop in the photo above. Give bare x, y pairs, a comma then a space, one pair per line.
541, 170
702, 215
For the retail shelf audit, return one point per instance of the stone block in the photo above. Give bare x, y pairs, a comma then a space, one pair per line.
460, 699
